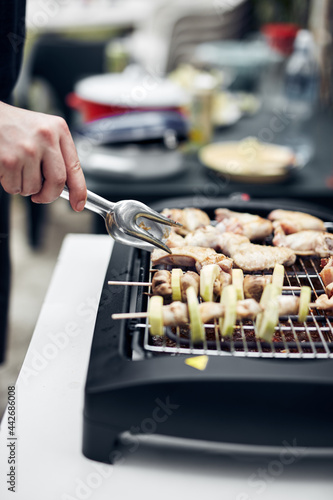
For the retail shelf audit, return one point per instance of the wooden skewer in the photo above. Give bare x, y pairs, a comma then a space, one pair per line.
130, 315
147, 283
129, 283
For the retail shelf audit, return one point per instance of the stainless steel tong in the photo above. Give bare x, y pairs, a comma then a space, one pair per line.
131, 222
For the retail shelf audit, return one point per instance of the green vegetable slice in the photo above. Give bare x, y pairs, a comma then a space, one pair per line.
237, 281
304, 301
269, 318
176, 274
208, 275
196, 325
155, 315
278, 276
229, 300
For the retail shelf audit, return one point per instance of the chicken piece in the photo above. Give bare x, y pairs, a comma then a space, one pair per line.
175, 314
251, 257
293, 222
323, 302
207, 237
174, 240
327, 275
191, 257
248, 309
188, 279
190, 218
288, 304
252, 226
161, 283
305, 242
254, 286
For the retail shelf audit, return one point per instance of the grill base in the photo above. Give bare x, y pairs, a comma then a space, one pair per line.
237, 400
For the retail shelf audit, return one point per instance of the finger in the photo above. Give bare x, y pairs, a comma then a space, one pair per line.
53, 171
32, 178
75, 177
11, 175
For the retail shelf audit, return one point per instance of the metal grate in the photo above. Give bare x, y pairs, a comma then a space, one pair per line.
313, 339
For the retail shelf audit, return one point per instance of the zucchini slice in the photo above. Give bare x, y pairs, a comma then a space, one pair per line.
229, 300
196, 325
176, 274
269, 318
155, 315
278, 276
208, 275
237, 281
304, 301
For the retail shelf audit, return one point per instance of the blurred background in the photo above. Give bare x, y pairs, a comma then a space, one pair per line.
171, 98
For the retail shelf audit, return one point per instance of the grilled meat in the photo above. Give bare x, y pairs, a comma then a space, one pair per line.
293, 222
251, 257
190, 218
305, 242
254, 286
191, 257
252, 226
189, 279
327, 275
161, 283
324, 302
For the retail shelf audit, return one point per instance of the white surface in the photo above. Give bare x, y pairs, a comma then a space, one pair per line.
59, 15
134, 89
50, 465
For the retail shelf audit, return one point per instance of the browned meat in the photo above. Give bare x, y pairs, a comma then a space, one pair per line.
252, 226
190, 218
254, 286
161, 283
293, 222
306, 242
188, 279
251, 257
191, 257
327, 275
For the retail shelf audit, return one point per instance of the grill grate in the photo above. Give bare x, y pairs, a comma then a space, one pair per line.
313, 339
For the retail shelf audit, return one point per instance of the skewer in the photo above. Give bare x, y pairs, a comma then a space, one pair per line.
147, 283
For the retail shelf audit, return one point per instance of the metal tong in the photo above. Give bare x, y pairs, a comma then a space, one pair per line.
130, 222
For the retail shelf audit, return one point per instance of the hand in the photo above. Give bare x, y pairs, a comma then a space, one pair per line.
38, 157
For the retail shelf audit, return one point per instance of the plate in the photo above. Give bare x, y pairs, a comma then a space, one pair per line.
249, 160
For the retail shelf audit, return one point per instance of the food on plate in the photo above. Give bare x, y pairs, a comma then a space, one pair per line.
307, 242
252, 226
253, 257
189, 218
293, 222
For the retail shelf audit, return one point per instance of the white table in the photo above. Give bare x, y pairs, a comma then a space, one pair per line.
49, 396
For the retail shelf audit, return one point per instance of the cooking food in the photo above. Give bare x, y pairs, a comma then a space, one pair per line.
307, 242
252, 257
327, 275
189, 218
252, 226
191, 257
293, 222
163, 285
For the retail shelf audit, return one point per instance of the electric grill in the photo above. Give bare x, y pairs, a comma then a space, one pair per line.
242, 391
